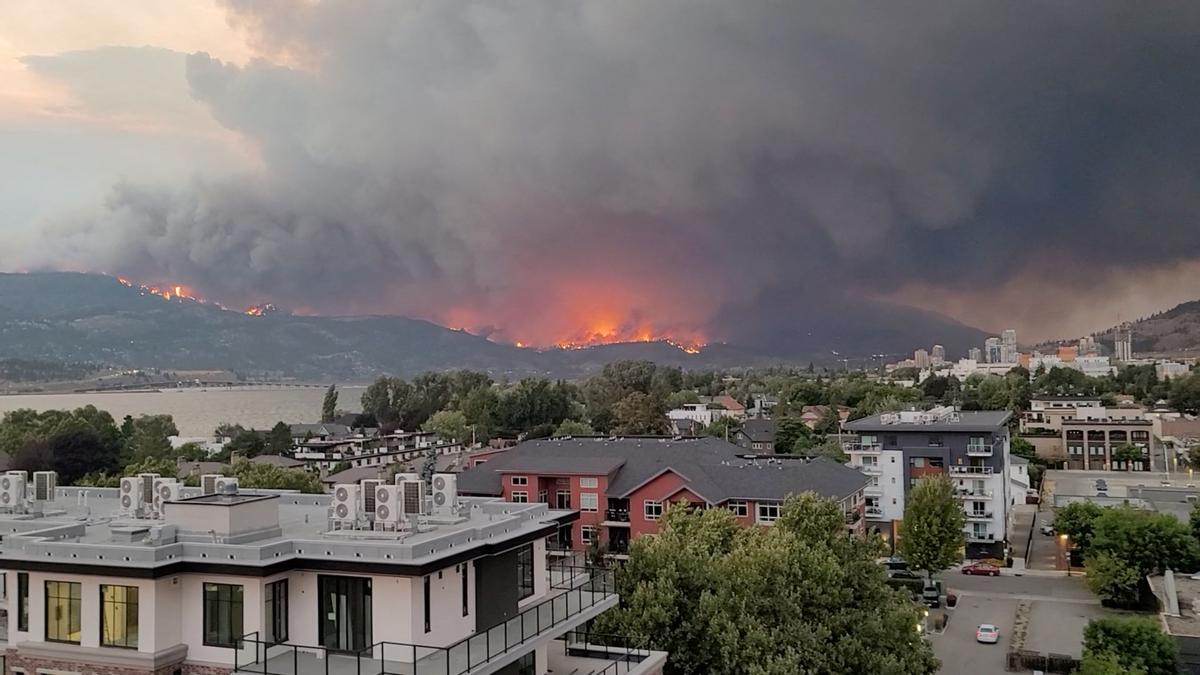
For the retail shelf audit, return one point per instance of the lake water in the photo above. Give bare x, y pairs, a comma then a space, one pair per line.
198, 411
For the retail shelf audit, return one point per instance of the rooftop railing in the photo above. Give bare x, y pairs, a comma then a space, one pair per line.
582, 589
623, 653
971, 470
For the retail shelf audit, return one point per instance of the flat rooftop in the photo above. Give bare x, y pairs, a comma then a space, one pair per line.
84, 526
957, 421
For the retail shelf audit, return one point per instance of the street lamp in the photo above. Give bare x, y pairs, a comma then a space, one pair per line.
1064, 540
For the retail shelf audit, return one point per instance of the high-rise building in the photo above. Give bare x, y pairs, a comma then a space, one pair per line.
1087, 345
1123, 342
991, 350
1008, 346
975, 354
938, 355
921, 357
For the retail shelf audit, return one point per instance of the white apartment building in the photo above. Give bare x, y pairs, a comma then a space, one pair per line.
278, 582
698, 412
972, 448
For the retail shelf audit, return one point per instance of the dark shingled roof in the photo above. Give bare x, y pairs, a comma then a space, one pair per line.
759, 430
710, 466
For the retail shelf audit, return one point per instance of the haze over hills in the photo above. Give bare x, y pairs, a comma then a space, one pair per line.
1174, 331
60, 316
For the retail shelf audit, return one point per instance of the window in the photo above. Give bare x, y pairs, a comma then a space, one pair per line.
118, 616
525, 571
222, 614
466, 580
23, 601
652, 509
917, 462
935, 441
277, 612
428, 602
589, 482
587, 534
768, 512
739, 509
520, 497
588, 501
520, 480
63, 600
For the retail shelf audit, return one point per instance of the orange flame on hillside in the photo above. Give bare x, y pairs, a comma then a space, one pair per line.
166, 292
259, 310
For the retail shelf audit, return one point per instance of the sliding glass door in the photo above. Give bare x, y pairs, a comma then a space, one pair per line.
345, 613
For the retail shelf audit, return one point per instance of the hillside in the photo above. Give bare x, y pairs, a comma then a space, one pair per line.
1174, 331
69, 317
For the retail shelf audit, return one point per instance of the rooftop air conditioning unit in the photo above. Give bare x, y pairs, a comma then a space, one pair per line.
387, 504
131, 495
208, 483
165, 490
367, 493
148, 486
445, 493
345, 501
226, 485
412, 497
44, 485
12, 490
407, 477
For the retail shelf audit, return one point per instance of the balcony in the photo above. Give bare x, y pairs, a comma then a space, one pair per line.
979, 449
873, 512
856, 446
580, 598
968, 493
870, 469
980, 537
979, 515
616, 518
584, 652
971, 470
873, 490
851, 517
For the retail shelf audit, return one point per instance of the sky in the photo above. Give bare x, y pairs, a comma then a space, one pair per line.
552, 172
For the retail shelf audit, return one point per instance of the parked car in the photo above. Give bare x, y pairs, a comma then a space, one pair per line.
1048, 530
894, 563
987, 634
981, 569
903, 574
932, 597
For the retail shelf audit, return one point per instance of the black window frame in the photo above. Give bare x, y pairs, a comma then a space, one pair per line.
275, 606
525, 586
428, 597
235, 609
74, 609
127, 604
466, 589
23, 602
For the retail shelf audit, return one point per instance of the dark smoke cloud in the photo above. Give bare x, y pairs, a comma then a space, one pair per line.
514, 164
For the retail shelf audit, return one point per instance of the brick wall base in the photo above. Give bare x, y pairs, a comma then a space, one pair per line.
31, 665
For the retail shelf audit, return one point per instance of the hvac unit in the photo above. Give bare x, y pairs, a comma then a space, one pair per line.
148, 486
445, 493
412, 497
226, 485
208, 483
407, 477
367, 492
44, 485
131, 495
165, 490
387, 504
12, 490
345, 501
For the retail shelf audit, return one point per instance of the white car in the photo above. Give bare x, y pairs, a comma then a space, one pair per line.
987, 633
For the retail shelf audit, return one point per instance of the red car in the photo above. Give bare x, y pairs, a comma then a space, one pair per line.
983, 569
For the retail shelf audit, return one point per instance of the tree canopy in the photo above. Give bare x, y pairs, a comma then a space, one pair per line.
931, 534
1134, 645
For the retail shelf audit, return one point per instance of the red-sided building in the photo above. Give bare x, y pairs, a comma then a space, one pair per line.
620, 486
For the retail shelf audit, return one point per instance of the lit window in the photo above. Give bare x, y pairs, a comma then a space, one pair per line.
768, 512
520, 497
740, 509
588, 501
520, 480
63, 611
118, 616
652, 509
589, 482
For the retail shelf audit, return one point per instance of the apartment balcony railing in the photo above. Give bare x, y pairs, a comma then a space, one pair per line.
623, 654
966, 493
616, 515
873, 512
589, 588
979, 515
874, 490
871, 469
979, 449
856, 446
971, 470
980, 537
851, 517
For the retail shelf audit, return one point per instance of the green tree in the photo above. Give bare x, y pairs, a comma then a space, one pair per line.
481, 407
829, 448
151, 438
1185, 393
722, 427
1129, 454
573, 428
159, 465
271, 477
1112, 578
799, 597
1077, 520
788, 430
279, 439
931, 534
639, 413
830, 421
247, 443
1146, 541
449, 425
1138, 644
1105, 663
329, 404
1194, 520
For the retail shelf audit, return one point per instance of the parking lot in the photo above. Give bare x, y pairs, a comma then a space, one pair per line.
1059, 609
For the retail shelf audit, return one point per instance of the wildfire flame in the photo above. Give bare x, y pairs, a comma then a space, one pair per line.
166, 292
259, 310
